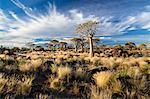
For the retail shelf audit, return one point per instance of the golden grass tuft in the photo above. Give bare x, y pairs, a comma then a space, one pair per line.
116, 86
25, 85
25, 67
100, 94
2, 81
36, 63
134, 72
54, 83
80, 72
63, 71
102, 78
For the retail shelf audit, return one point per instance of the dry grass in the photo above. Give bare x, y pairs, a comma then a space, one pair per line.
25, 85
2, 82
134, 72
73, 73
36, 63
100, 94
25, 67
102, 78
63, 71
55, 83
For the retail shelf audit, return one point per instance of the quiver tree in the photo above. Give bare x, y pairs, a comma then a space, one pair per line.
130, 45
88, 29
55, 43
95, 41
63, 45
76, 43
2, 49
48, 45
31, 45
15, 49
39, 48
82, 43
142, 46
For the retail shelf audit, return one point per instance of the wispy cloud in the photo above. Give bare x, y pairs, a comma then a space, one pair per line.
52, 24
16, 17
55, 24
142, 20
27, 10
147, 7
109, 27
2, 16
3, 19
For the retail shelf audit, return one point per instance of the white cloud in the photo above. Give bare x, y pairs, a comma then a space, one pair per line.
5, 25
16, 17
108, 27
54, 24
28, 11
142, 20
3, 20
2, 16
75, 14
147, 7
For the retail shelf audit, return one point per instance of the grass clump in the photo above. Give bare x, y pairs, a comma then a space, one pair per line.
102, 78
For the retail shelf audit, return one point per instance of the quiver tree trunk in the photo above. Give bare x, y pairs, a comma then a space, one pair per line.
64, 47
82, 47
91, 47
75, 48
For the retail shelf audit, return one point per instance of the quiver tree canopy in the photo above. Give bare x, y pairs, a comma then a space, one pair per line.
87, 29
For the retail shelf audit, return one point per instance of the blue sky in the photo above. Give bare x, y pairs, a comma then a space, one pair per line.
23, 21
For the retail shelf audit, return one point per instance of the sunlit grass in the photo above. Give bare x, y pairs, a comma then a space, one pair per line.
102, 78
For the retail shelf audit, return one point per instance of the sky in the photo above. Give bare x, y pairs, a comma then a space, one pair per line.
23, 21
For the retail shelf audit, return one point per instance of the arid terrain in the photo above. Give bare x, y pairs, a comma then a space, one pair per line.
117, 72
74, 49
